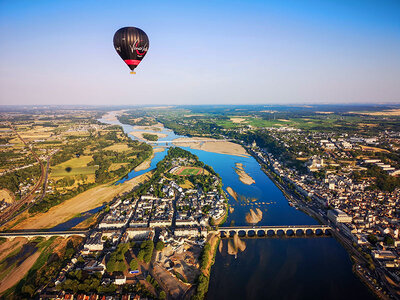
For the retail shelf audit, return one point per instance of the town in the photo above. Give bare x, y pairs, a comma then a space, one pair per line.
368, 219
119, 248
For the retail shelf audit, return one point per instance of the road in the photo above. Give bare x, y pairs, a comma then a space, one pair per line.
28, 200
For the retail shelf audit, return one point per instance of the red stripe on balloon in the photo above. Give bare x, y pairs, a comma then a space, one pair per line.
134, 62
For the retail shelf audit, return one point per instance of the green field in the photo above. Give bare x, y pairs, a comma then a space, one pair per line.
74, 166
58, 172
76, 162
187, 171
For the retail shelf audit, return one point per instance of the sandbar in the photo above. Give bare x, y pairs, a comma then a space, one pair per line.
254, 216
243, 176
211, 145
232, 193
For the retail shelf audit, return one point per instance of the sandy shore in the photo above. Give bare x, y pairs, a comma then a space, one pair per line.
243, 176
146, 164
83, 202
139, 134
211, 145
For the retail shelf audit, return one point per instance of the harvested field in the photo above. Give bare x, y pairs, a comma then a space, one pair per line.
6, 196
116, 166
237, 120
373, 149
389, 112
120, 147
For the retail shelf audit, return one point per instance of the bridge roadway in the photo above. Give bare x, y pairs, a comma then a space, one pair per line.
46, 234
263, 230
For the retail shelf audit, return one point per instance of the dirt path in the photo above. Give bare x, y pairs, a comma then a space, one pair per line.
83, 202
18, 273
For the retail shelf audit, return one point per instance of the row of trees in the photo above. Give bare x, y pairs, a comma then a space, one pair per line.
204, 278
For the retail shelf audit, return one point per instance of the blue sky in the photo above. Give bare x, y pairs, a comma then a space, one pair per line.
201, 52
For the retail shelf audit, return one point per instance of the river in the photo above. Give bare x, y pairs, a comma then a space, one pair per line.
270, 268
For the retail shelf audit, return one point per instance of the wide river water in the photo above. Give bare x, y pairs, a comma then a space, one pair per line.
270, 268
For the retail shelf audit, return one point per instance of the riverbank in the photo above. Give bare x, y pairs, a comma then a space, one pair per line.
81, 203
207, 260
211, 145
146, 164
342, 240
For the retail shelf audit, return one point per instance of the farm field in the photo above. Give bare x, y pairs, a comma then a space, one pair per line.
120, 147
74, 171
74, 166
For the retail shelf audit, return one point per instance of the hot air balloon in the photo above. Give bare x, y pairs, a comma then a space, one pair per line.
131, 44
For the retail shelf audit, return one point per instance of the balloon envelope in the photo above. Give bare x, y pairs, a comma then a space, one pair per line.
131, 44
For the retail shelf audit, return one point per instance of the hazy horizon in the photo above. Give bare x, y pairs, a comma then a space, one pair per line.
225, 52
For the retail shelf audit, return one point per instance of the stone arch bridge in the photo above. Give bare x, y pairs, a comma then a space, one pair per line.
46, 234
263, 231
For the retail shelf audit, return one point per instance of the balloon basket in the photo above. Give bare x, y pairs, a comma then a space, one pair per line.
133, 72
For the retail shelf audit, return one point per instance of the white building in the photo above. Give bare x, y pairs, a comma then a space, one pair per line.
338, 216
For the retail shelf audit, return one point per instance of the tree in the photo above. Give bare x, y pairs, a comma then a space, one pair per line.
389, 240
160, 246
162, 295
133, 264
372, 239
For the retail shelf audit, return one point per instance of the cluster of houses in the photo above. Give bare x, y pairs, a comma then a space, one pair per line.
179, 214
360, 212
